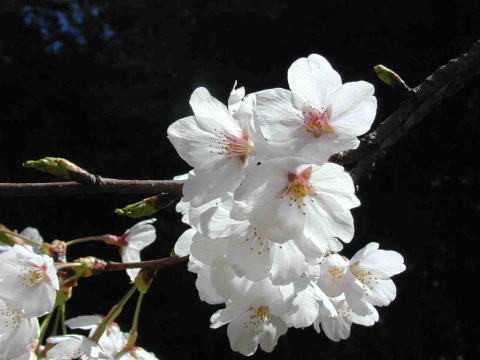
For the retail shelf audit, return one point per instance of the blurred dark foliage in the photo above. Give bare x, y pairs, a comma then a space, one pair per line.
98, 82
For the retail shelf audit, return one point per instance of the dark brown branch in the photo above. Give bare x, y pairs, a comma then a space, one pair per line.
446, 81
97, 266
107, 186
152, 264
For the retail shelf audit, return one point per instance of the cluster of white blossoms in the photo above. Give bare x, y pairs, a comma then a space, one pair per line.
31, 287
268, 213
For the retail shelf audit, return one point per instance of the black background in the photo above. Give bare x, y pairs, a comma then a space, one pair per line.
106, 105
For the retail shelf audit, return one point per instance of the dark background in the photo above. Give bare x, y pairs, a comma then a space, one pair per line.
101, 87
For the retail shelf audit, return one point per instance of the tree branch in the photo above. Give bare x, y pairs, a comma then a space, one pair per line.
151, 264
107, 186
98, 266
446, 81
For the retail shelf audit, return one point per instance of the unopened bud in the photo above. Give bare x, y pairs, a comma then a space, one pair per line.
55, 166
90, 266
391, 78
147, 207
62, 168
144, 279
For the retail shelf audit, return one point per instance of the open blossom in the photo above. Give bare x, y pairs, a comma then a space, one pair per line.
286, 199
319, 116
309, 301
337, 327
17, 333
364, 280
220, 142
111, 341
252, 323
74, 346
133, 241
28, 281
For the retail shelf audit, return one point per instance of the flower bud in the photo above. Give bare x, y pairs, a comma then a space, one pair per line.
144, 279
391, 78
63, 168
55, 166
145, 207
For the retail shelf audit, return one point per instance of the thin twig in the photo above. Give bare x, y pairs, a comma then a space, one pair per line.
108, 186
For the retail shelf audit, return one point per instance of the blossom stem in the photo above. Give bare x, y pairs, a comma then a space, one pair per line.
57, 322
62, 314
112, 315
134, 330
13, 233
70, 279
85, 239
43, 327
60, 266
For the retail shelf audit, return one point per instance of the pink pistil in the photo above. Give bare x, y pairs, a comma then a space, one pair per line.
317, 121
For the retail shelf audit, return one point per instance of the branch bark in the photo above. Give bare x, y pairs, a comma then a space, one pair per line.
107, 186
152, 264
446, 81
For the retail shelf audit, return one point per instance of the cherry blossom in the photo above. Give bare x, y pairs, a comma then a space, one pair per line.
28, 281
250, 325
111, 341
337, 327
364, 279
17, 332
133, 241
319, 116
220, 142
286, 199
68, 347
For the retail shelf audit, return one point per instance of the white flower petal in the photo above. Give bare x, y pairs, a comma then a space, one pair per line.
313, 79
353, 108
275, 115
251, 257
141, 234
184, 242
288, 264
85, 322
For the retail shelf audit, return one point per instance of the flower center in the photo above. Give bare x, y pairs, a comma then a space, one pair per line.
317, 121
33, 276
298, 187
336, 273
234, 146
368, 280
11, 318
258, 316
257, 242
